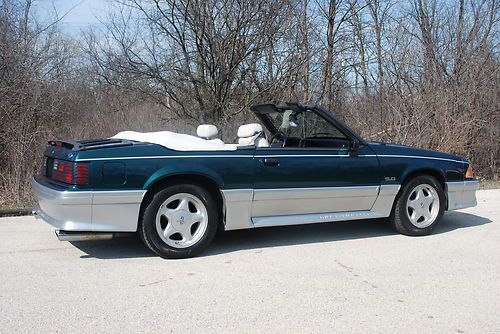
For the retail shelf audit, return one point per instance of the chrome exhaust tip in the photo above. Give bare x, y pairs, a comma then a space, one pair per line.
82, 236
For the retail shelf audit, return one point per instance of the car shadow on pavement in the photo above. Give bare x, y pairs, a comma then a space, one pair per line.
231, 241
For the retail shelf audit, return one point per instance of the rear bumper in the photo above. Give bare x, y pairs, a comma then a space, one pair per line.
95, 211
462, 194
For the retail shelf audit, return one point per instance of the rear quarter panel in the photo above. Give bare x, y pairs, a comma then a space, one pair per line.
148, 163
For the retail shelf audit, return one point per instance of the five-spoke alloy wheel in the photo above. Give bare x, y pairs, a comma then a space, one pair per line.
179, 221
419, 206
423, 205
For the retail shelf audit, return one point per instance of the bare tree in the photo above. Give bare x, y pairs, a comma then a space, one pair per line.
193, 51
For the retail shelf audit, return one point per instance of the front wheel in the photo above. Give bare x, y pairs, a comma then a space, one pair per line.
420, 206
179, 221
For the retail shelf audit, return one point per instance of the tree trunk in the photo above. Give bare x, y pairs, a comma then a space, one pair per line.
328, 67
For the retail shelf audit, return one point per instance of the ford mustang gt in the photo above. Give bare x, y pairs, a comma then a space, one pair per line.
300, 164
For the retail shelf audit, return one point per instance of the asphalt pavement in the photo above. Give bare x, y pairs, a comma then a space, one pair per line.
340, 277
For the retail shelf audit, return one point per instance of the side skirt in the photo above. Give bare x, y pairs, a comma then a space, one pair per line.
313, 218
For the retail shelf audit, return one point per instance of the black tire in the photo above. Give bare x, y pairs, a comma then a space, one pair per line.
400, 214
147, 227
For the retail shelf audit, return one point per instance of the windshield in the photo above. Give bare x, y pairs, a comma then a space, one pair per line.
303, 124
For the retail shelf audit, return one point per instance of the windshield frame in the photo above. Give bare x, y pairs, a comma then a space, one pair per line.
261, 111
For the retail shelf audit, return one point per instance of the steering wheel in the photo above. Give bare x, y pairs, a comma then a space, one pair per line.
279, 134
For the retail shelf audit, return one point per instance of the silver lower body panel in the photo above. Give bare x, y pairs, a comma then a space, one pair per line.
118, 211
248, 208
95, 211
462, 194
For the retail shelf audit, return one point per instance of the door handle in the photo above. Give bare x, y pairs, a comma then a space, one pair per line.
271, 162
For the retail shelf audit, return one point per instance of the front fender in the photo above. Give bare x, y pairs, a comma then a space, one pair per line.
444, 171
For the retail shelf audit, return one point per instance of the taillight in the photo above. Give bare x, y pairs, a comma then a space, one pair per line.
62, 171
70, 172
81, 173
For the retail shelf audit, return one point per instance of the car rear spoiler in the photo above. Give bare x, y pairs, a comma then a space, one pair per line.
89, 144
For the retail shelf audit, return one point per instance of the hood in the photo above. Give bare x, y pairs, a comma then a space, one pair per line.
382, 148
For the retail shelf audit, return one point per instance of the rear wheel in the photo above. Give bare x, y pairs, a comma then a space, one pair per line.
420, 206
179, 221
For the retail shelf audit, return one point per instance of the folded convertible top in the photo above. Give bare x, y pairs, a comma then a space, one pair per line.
175, 141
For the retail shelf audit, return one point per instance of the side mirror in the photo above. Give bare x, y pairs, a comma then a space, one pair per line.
353, 148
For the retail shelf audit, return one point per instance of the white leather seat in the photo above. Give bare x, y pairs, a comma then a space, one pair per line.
252, 134
208, 132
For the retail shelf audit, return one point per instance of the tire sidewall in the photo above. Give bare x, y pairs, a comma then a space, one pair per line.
401, 211
149, 232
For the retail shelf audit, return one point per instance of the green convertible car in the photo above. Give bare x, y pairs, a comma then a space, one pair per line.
177, 190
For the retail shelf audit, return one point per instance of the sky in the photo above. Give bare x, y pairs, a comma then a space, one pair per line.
79, 14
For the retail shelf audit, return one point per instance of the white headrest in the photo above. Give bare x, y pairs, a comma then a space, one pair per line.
249, 130
207, 131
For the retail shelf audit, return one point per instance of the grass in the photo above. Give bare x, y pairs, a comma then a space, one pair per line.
489, 184
21, 206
